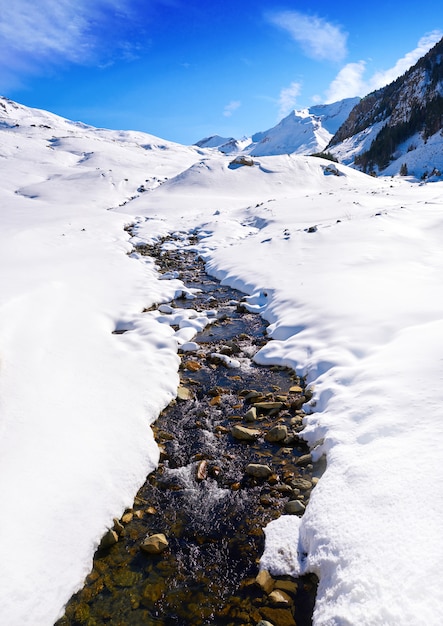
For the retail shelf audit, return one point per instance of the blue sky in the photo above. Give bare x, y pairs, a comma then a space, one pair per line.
186, 69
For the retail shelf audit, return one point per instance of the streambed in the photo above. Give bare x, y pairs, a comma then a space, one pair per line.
231, 415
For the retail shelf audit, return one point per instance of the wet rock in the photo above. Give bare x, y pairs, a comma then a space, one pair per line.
245, 434
265, 581
268, 406
300, 483
282, 617
183, 393
258, 470
278, 597
108, 540
295, 507
309, 394
284, 489
118, 526
202, 470
155, 544
251, 415
252, 395
127, 517
151, 510
305, 459
295, 389
298, 403
290, 586
192, 366
277, 433
221, 429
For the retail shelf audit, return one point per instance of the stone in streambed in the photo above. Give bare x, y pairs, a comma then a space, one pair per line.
251, 415
202, 470
300, 483
108, 540
277, 433
258, 470
295, 389
278, 597
245, 434
282, 617
295, 507
265, 581
183, 393
289, 586
155, 544
268, 406
305, 459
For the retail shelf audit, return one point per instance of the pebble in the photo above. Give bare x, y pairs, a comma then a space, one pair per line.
290, 586
108, 540
300, 483
183, 393
258, 470
278, 597
305, 459
295, 507
155, 544
245, 434
295, 389
265, 581
277, 433
268, 406
251, 415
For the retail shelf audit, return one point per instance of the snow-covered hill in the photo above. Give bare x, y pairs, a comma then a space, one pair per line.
345, 267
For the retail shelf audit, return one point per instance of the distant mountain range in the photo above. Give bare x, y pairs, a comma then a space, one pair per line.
302, 132
395, 130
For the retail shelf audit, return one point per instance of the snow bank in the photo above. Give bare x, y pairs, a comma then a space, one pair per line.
76, 400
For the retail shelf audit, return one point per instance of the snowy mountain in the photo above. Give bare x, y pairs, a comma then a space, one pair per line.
303, 132
306, 131
399, 127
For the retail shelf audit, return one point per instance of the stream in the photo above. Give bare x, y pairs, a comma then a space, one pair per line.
207, 496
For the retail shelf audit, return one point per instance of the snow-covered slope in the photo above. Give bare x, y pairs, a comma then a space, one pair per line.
75, 408
347, 269
400, 118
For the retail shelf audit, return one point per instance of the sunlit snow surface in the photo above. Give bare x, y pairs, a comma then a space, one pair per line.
348, 271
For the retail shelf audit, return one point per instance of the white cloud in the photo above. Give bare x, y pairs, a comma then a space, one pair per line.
348, 83
318, 38
231, 107
350, 80
288, 98
33, 34
380, 79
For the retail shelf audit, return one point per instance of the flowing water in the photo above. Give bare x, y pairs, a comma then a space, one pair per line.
210, 509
